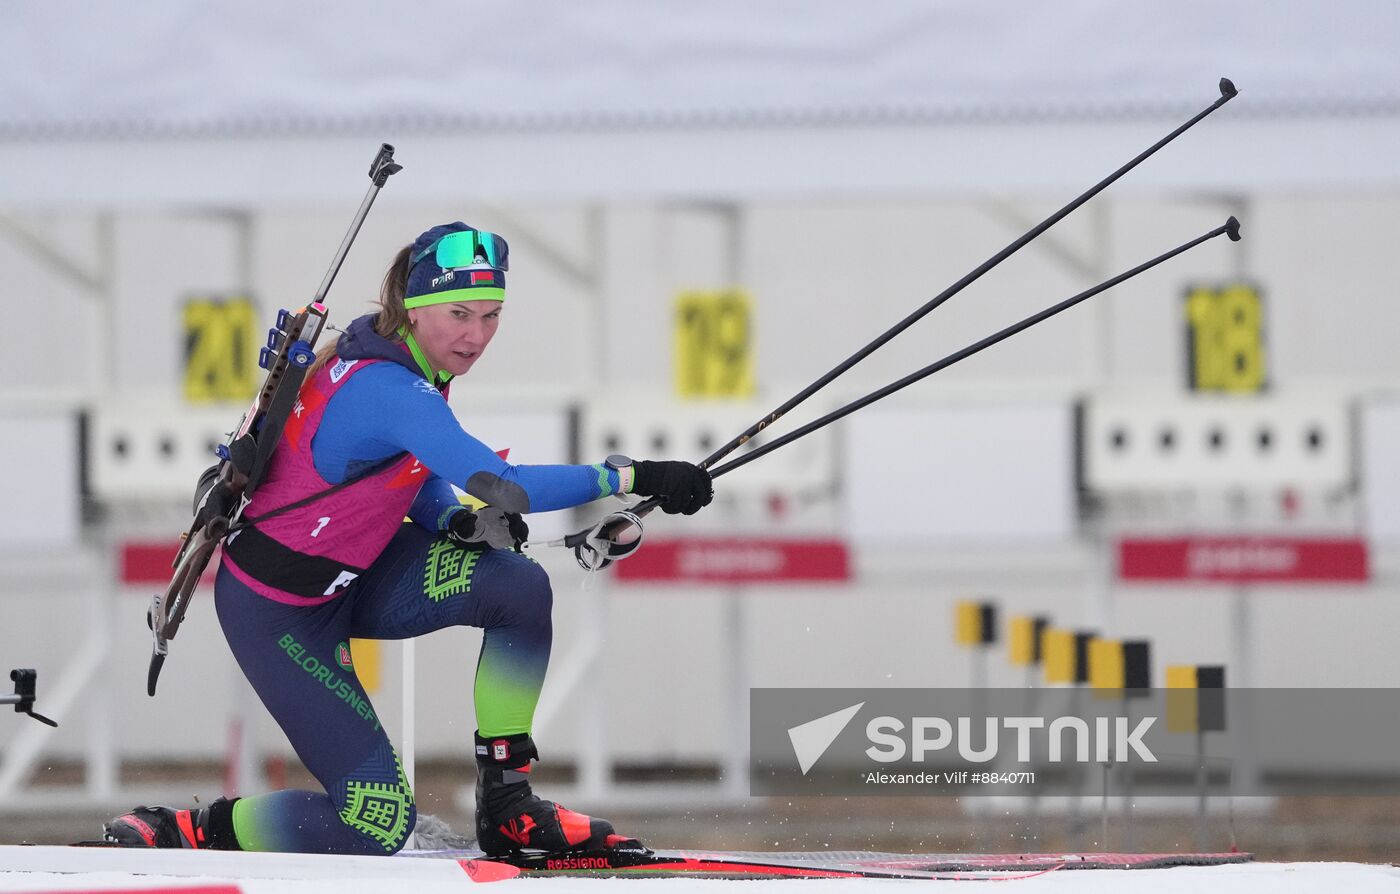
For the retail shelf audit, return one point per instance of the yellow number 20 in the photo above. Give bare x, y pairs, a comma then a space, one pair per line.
220, 350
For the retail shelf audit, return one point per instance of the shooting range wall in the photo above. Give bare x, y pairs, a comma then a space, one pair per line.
840, 195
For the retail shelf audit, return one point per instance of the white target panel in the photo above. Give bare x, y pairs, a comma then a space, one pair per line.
154, 450
1216, 442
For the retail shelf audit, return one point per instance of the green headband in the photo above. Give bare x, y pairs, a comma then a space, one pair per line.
478, 293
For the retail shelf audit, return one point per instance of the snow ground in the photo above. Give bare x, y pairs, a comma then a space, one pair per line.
43, 869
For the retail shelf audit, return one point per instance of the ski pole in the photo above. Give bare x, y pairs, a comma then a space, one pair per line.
1227, 92
625, 528
1230, 228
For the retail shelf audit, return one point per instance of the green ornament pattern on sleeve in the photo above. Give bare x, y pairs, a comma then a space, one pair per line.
604, 480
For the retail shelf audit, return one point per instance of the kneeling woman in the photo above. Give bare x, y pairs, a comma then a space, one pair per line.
323, 555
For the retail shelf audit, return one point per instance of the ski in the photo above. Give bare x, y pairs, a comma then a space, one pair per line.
619, 863
225, 488
643, 862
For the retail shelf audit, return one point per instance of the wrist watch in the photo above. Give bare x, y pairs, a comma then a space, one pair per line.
622, 465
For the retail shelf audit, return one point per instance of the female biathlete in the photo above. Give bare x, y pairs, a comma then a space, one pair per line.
323, 554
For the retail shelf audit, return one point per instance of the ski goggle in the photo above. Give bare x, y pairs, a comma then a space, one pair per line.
469, 248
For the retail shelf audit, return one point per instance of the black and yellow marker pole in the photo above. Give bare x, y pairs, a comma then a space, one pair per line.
1025, 648
1195, 698
1105, 658
1066, 655
1067, 666
1120, 670
977, 623
1196, 704
976, 628
1025, 644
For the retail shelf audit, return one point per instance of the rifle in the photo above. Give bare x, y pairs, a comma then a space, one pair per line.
225, 489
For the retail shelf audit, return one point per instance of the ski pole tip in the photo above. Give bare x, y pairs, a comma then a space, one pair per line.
1232, 228
1227, 88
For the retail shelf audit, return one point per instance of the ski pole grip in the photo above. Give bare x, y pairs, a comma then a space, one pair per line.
383, 165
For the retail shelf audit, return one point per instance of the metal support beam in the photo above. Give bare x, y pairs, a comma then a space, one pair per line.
58, 261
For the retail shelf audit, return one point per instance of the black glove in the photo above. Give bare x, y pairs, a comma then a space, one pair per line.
684, 487
488, 528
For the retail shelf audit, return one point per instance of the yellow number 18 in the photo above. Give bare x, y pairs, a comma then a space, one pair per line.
1226, 339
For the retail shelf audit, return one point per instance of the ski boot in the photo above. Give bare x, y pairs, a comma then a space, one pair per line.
510, 818
206, 827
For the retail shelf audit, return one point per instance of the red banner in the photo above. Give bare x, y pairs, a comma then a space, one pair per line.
736, 561
1243, 560
149, 563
